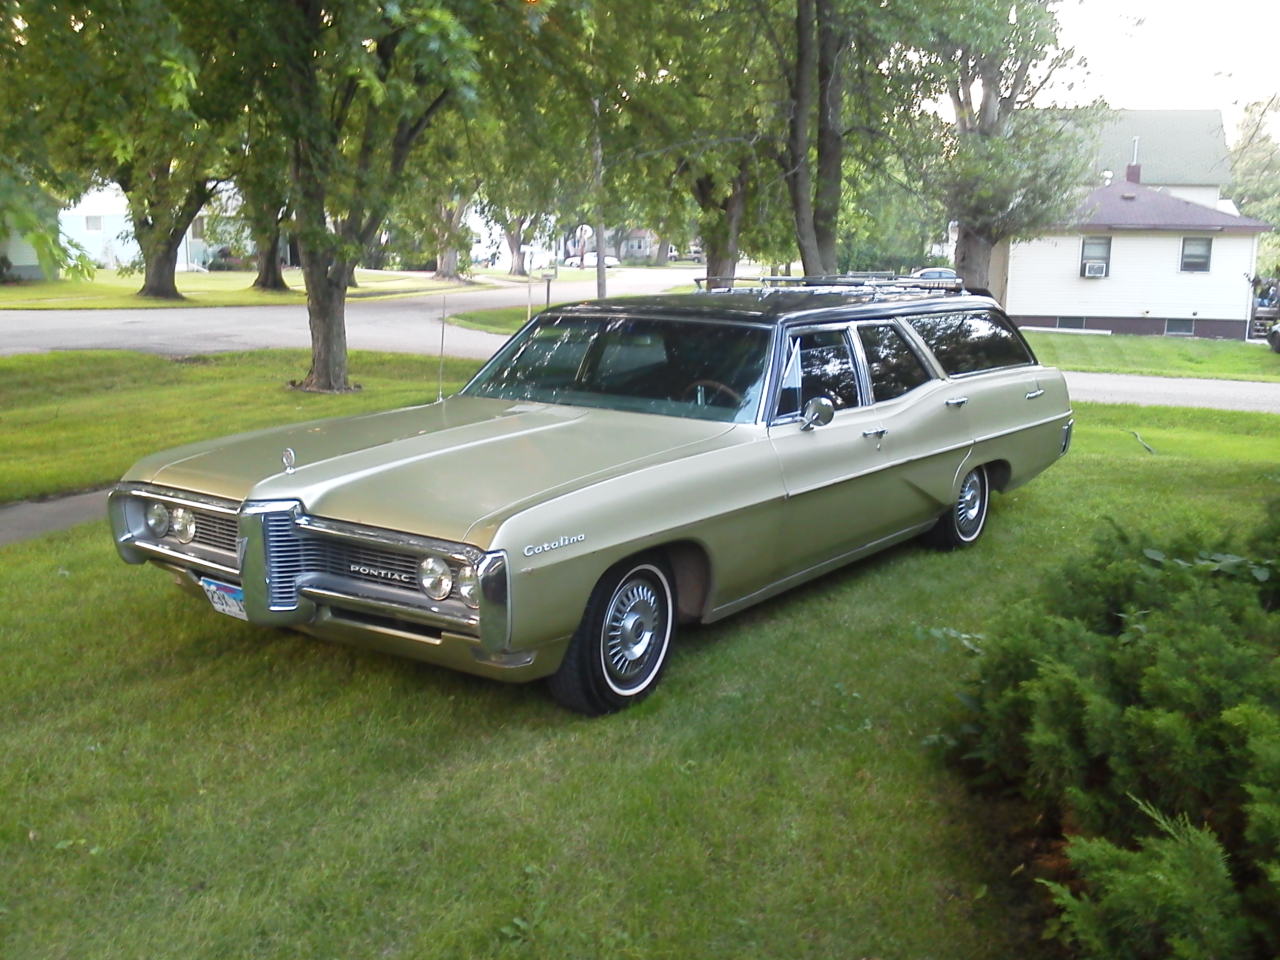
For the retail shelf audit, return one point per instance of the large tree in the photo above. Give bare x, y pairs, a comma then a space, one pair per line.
151, 104
356, 86
1007, 168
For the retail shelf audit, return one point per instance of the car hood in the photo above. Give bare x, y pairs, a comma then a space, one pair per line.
453, 469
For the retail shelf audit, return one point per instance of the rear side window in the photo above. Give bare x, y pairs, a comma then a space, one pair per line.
971, 342
893, 366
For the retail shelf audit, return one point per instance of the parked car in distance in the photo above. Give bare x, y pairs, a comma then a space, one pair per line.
588, 260
619, 467
934, 273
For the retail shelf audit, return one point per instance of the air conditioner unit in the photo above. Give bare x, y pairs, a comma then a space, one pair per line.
1095, 268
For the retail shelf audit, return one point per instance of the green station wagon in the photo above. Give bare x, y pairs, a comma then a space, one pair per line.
618, 467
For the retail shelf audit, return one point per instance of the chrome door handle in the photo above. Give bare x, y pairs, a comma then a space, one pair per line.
957, 401
1032, 394
877, 433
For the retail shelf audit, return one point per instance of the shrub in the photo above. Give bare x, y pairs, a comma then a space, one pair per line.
1173, 897
1148, 672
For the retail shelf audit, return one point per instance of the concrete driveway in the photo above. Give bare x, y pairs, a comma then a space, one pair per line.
407, 325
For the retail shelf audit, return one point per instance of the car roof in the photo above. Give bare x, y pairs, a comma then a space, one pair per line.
776, 306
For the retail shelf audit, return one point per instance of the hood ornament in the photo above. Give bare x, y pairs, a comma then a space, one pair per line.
289, 458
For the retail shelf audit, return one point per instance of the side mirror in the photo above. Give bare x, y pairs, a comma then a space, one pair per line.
817, 413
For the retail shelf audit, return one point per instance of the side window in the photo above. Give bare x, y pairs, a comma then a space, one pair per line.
818, 365
971, 342
894, 368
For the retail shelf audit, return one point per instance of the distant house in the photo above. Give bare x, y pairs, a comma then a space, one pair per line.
23, 263
1156, 249
99, 223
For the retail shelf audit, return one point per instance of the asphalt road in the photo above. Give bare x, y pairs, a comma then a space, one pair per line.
405, 325
412, 325
1174, 392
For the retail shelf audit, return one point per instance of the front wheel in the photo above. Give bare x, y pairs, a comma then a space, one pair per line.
964, 522
620, 648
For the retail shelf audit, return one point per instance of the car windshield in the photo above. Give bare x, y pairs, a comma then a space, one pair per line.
708, 371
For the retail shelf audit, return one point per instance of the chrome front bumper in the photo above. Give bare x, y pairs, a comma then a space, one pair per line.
290, 567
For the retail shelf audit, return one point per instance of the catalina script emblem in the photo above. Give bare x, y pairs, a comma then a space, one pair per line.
533, 549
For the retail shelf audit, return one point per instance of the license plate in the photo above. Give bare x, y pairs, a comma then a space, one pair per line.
225, 598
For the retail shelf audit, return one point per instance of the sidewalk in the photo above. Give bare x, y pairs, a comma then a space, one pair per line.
23, 521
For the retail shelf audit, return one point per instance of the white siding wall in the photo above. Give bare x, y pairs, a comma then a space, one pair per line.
1144, 280
22, 258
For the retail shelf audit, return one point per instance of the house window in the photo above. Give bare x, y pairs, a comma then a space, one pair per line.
197, 228
1095, 257
1071, 323
1179, 327
93, 223
1195, 254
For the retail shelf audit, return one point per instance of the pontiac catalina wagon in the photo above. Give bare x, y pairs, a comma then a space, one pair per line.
617, 468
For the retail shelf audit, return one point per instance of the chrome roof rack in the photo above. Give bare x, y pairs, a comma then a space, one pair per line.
874, 284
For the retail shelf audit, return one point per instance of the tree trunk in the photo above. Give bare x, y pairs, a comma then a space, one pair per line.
973, 259
326, 278
721, 223
515, 240
270, 276
160, 259
832, 43
664, 252
447, 264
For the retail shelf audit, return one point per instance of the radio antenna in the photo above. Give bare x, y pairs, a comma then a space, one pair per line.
440, 373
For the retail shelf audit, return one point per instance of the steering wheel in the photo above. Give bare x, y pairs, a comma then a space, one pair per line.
715, 386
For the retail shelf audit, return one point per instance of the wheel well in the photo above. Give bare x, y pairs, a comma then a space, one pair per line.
691, 568
998, 474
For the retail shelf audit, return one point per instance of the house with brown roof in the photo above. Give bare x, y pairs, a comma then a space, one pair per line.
1157, 251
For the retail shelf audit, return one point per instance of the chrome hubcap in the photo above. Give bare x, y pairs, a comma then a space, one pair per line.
631, 629
970, 506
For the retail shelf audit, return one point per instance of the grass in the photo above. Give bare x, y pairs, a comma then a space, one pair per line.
1157, 356
232, 288
178, 784
76, 419
504, 320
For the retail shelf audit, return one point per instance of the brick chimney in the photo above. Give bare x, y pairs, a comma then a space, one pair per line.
1133, 173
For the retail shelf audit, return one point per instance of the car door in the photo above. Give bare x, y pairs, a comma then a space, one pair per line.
834, 478
925, 437
1010, 402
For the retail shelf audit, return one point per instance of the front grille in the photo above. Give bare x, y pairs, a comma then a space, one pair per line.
293, 555
285, 559
216, 530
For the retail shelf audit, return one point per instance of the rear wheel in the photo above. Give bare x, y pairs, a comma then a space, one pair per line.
964, 522
620, 648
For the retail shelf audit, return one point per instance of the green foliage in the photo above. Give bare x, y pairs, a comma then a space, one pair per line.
1171, 899
1255, 176
1149, 670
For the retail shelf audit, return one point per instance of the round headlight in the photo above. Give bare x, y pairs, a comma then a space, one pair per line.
183, 522
157, 519
469, 586
436, 577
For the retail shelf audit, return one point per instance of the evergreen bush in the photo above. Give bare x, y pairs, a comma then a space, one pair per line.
1136, 704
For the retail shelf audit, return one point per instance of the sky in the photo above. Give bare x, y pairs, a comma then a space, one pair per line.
1173, 54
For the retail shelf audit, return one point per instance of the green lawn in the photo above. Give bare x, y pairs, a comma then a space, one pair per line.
76, 419
178, 784
1157, 356
232, 288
